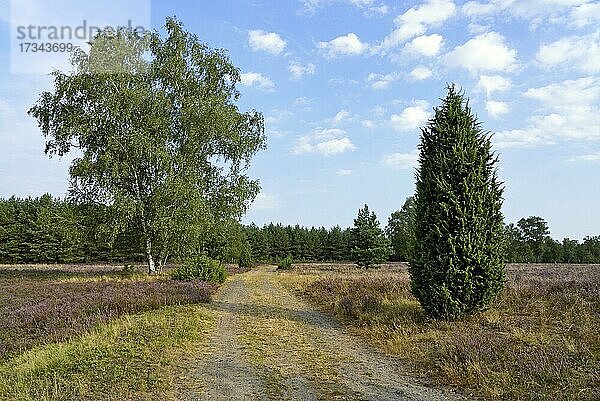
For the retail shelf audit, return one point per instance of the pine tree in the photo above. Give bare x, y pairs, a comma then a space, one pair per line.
369, 245
335, 244
457, 265
400, 230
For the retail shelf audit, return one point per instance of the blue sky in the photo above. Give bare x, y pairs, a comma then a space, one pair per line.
344, 86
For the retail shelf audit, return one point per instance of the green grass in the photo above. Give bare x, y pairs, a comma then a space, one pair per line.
540, 339
132, 357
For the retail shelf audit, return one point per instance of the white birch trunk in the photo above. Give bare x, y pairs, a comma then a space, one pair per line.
151, 265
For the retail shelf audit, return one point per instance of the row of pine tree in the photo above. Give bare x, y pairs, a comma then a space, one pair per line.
51, 230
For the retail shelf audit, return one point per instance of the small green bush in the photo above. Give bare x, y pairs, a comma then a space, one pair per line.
285, 264
245, 258
200, 267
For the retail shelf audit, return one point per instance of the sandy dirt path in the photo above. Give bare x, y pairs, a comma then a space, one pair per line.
270, 345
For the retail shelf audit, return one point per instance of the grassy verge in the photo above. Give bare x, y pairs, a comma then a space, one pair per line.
132, 357
538, 341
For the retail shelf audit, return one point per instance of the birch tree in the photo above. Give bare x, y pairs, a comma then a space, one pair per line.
156, 134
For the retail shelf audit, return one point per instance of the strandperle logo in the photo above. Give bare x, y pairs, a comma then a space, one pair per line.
69, 32
44, 34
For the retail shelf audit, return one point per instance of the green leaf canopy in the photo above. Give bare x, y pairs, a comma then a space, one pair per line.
157, 134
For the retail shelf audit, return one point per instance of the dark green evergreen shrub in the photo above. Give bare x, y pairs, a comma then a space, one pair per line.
200, 267
285, 264
245, 258
457, 264
370, 247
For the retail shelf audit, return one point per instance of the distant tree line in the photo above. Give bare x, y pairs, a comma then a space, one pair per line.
364, 244
273, 242
53, 230
529, 241
49, 230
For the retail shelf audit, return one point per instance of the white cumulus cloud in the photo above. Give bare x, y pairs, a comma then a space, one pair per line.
535, 11
368, 124
570, 110
420, 73
340, 117
269, 42
493, 83
377, 10
402, 160
585, 14
570, 93
411, 117
334, 146
430, 12
426, 45
496, 109
530, 136
258, 80
475, 8
415, 21
348, 45
382, 81
573, 52
299, 70
485, 52
327, 142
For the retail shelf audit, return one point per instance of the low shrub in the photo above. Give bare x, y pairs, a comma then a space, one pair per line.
245, 258
285, 264
200, 267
